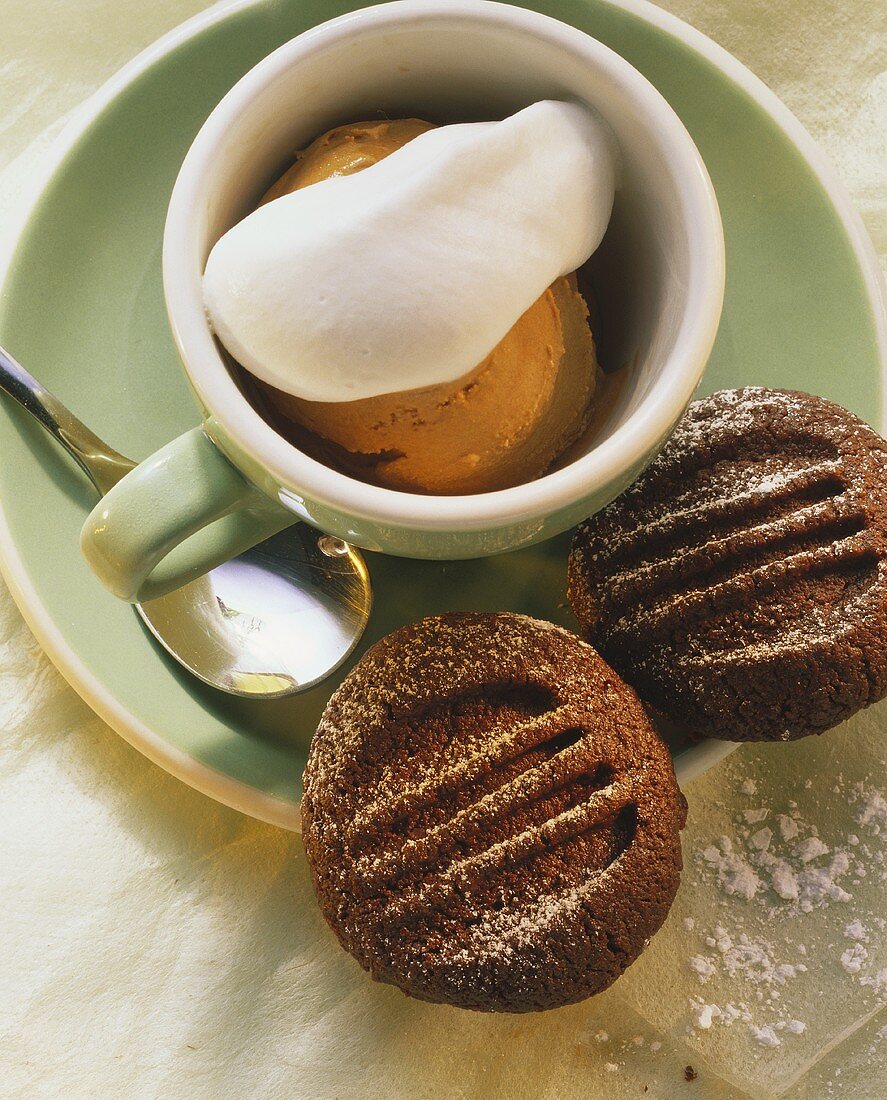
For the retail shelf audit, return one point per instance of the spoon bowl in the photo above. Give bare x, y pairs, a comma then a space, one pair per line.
277, 619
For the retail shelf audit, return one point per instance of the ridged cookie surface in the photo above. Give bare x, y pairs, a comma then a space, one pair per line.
740, 585
490, 819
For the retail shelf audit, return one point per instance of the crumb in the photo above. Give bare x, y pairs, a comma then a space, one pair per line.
703, 1014
782, 868
853, 958
811, 849
766, 1036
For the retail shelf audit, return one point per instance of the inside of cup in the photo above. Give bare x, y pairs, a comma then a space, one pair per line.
445, 70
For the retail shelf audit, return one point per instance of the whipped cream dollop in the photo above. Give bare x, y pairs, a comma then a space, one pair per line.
407, 274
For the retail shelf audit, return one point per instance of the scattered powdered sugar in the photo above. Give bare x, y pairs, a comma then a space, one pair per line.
785, 881
810, 848
876, 982
753, 959
871, 813
616, 1050
853, 958
754, 962
785, 869
704, 1014
765, 1035
792, 862
701, 966
735, 875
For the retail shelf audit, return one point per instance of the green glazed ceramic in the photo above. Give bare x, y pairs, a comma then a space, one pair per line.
82, 308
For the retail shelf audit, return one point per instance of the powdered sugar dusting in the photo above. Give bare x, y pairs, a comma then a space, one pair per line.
757, 532
785, 871
506, 775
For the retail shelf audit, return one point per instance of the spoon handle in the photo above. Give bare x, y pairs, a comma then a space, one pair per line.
102, 464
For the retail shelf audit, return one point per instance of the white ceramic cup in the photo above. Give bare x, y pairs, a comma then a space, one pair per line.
659, 279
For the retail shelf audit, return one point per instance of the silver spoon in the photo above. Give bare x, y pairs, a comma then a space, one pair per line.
274, 621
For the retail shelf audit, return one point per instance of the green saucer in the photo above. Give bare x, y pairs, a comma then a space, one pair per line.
82, 308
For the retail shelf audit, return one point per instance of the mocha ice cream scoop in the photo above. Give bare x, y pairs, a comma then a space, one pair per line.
503, 423
424, 417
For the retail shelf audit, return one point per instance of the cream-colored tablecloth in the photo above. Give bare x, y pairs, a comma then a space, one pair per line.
155, 944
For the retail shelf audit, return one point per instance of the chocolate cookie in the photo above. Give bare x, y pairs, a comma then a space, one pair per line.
490, 819
740, 584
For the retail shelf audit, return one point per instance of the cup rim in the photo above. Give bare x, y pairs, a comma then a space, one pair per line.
623, 450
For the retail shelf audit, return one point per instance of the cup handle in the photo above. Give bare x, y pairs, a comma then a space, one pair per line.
178, 514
